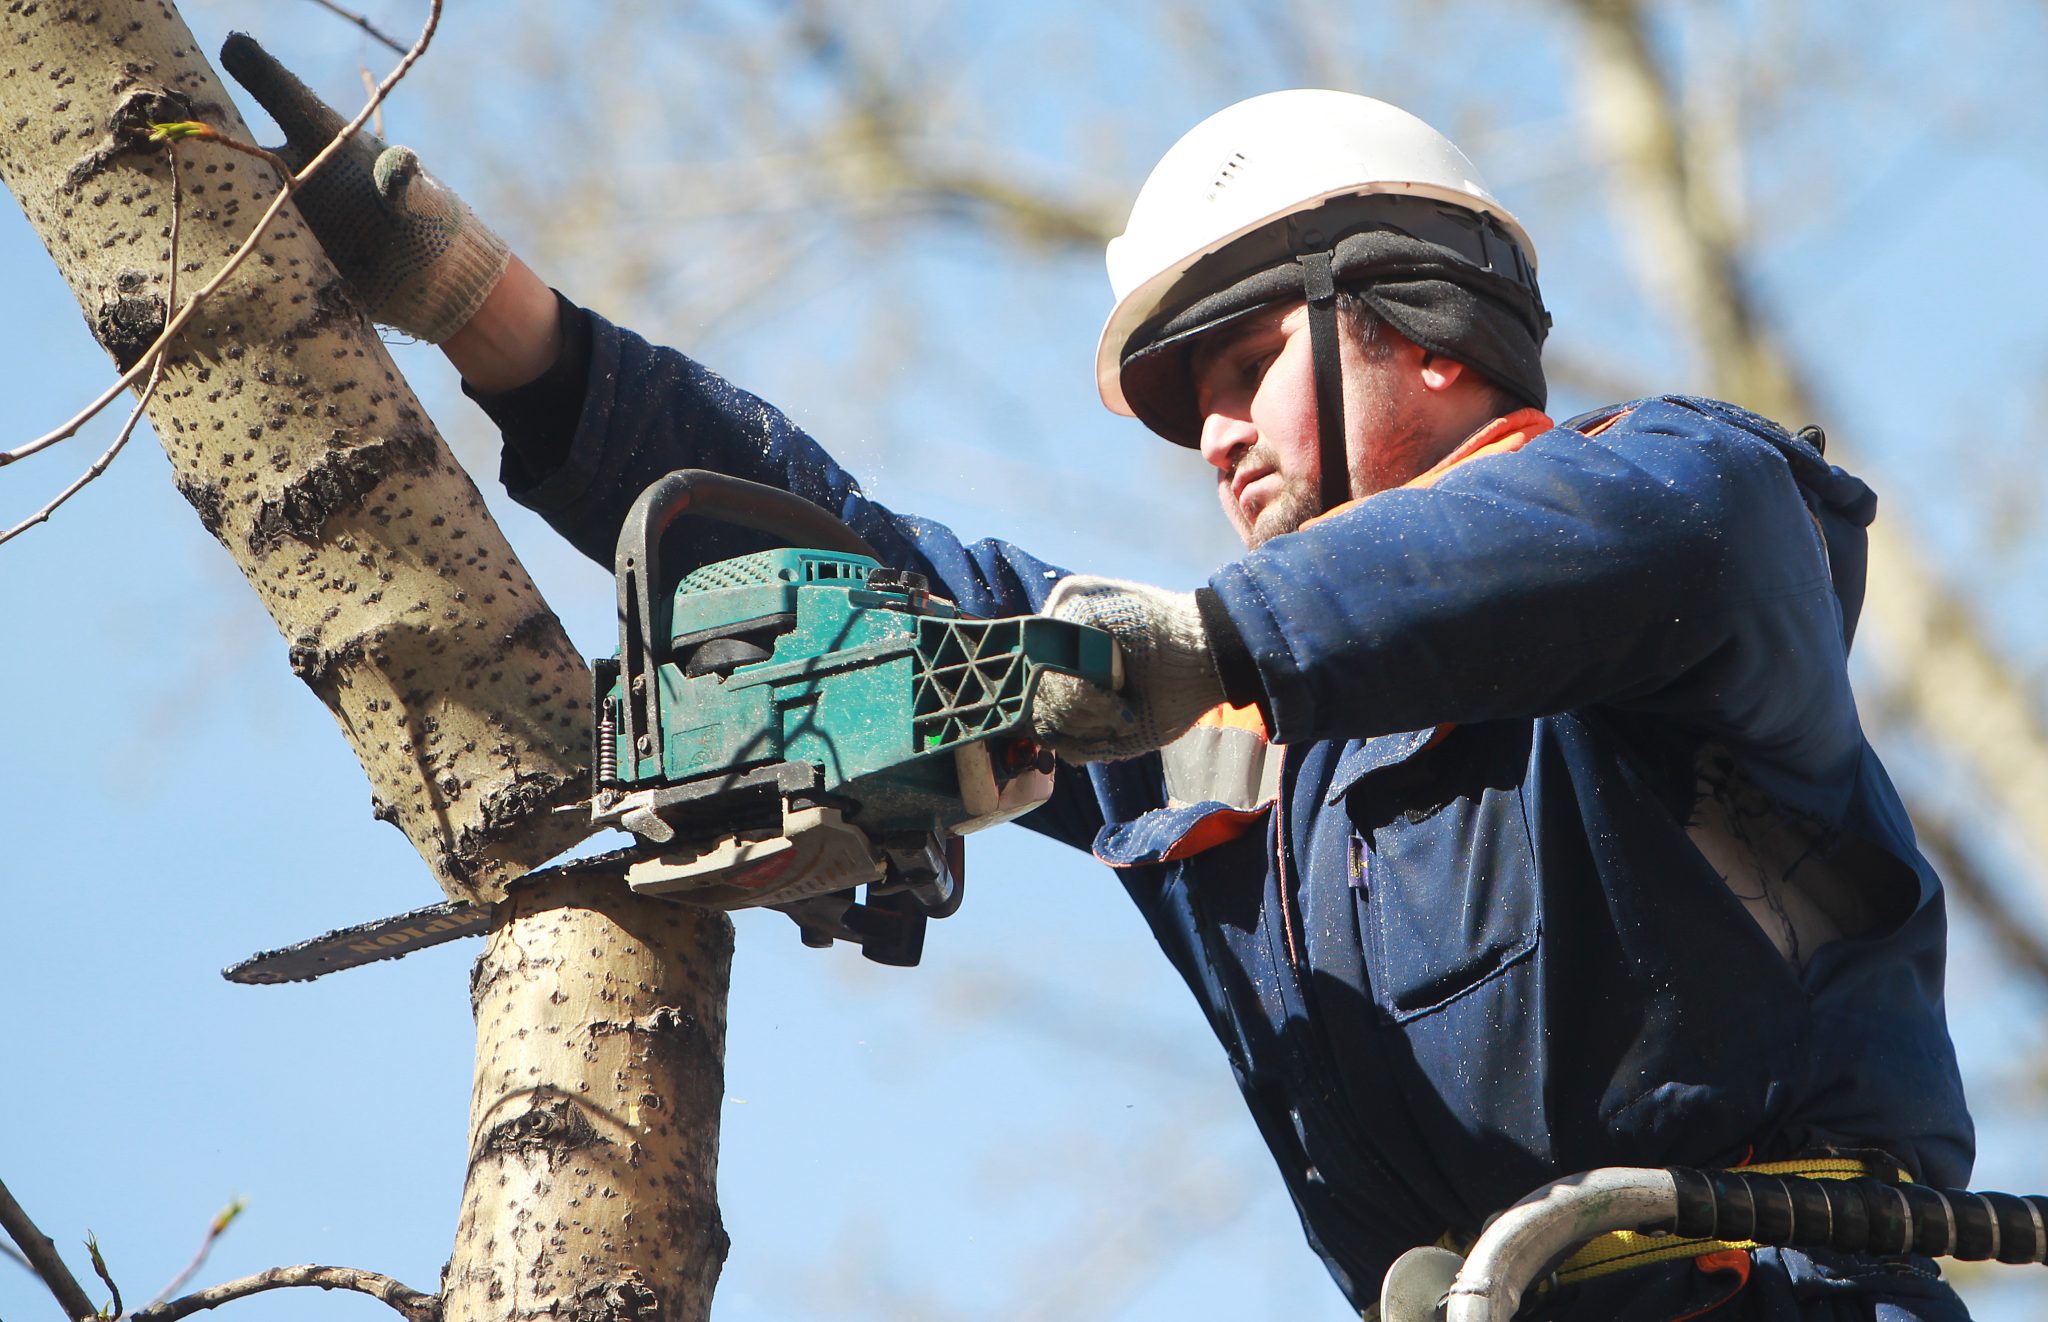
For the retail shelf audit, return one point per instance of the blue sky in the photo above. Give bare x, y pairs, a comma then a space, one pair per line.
1038, 1108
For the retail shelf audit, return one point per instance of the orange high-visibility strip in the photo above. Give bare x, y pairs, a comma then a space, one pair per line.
1500, 436
1226, 717
1219, 827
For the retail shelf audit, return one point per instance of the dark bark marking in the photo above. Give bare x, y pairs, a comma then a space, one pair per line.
333, 484
502, 812
317, 665
208, 498
553, 1130
128, 325
128, 130
629, 1299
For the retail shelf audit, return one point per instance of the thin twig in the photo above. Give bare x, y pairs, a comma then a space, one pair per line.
182, 130
360, 22
13, 1254
410, 1303
221, 1222
156, 376
99, 1268
43, 1260
369, 86
263, 223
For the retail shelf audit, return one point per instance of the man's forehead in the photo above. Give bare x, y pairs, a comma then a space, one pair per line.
1274, 321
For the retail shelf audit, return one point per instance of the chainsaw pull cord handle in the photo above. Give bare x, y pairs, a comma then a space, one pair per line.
642, 607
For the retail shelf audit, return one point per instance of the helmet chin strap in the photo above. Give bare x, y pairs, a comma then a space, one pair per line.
1319, 287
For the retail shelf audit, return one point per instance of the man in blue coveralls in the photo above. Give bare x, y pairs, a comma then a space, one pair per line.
1505, 806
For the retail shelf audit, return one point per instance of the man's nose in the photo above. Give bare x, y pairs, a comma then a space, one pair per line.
1225, 438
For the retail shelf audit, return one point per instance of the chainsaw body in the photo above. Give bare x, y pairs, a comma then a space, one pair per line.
783, 727
803, 729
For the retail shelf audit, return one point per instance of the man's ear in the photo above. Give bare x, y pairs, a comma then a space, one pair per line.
1439, 373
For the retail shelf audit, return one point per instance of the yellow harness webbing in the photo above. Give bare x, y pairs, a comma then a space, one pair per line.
1621, 1250
1626, 1250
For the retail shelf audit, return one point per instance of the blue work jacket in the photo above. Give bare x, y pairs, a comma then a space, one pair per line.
1456, 942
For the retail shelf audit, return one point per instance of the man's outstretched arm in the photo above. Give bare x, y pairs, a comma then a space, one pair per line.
514, 337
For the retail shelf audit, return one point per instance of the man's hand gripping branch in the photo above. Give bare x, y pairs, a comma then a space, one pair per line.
415, 256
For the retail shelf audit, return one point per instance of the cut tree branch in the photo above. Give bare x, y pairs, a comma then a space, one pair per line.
42, 1259
413, 1305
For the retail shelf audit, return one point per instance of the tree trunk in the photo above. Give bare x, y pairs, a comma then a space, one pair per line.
291, 433
593, 1131
600, 1014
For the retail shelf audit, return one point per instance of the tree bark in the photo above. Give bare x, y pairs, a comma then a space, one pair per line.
304, 453
600, 1014
594, 1125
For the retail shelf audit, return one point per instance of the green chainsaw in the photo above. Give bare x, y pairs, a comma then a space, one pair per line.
784, 729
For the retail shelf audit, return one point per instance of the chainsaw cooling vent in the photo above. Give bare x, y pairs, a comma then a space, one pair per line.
970, 681
745, 572
773, 568
835, 571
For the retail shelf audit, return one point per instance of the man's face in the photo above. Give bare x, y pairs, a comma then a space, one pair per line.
1255, 387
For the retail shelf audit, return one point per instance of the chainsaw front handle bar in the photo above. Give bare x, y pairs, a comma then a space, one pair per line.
1866, 1215
643, 607
710, 495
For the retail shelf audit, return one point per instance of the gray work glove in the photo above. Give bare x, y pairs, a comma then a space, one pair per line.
1169, 677
416, 257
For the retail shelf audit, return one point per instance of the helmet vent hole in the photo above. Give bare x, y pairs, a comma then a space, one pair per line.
1227, 172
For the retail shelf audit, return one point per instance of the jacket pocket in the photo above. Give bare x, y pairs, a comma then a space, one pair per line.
1444, 867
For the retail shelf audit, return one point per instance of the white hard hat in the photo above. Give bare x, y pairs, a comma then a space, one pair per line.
1265, 176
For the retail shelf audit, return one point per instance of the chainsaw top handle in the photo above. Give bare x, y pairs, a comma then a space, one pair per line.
713, 496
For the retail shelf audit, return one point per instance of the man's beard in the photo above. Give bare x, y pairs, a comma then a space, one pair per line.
1296, 503
1401, 451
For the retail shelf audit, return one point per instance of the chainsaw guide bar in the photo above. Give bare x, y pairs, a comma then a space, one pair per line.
365, 943
398, 935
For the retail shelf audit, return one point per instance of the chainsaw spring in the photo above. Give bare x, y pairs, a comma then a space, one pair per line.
607, 748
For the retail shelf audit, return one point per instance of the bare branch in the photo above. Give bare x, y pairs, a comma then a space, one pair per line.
397, 47
176, 324
408, 1302
879, 155
42, 1259
221, 1221
370, 89
192, 130
1680, 231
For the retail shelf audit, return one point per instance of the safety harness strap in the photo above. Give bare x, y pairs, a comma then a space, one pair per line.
1319, 287
1626, 1250
1620, 1250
